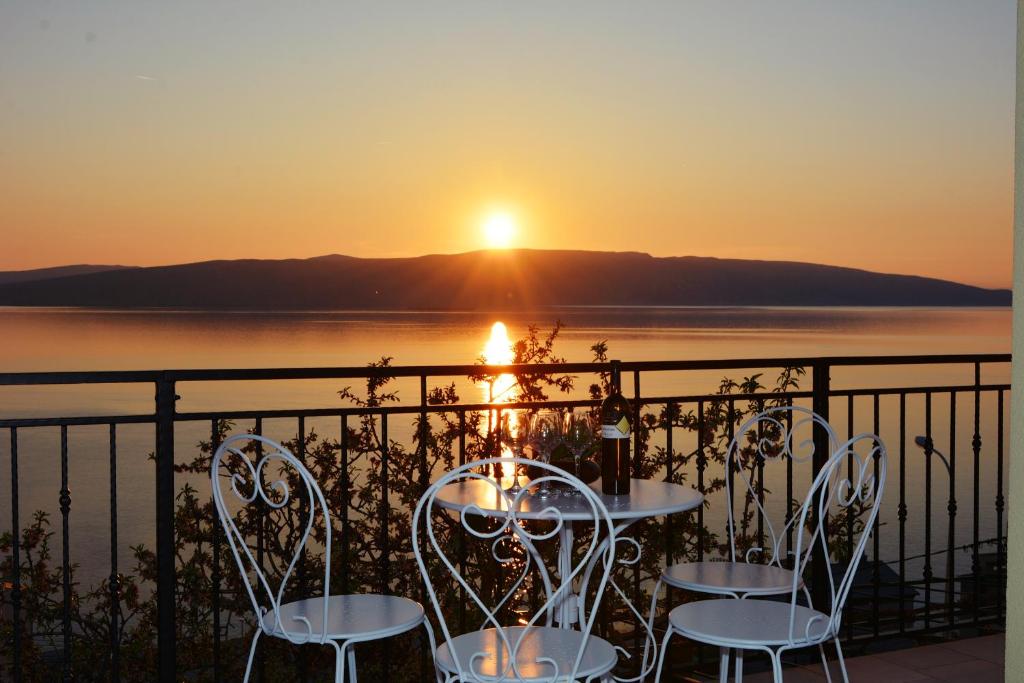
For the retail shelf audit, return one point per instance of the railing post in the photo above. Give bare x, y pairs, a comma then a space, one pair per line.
822, 452
165, 581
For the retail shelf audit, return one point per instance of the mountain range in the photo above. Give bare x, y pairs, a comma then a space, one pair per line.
50, 273
483, 280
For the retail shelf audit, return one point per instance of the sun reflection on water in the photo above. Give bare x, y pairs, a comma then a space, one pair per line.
500, 389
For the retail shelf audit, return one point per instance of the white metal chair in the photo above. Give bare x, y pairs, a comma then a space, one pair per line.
338, 620
775, 627
777, 434
534, 649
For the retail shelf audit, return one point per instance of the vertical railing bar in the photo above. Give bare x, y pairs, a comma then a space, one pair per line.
15, 559
789, 484
114, 582
730, 472
976, 447
701, 464
636, 424
261, 533
670, 412
462, 530
759, 455
1000, 551
820, 570
346, 529
670, 593
462, 437
424, 483
850, 415
927, 572
166, 602
498, 438
730, 466
669, 473
499, 472
849, 476
301, 571
637, 455
65, 511
385, 557
951, 507
902, 510
215, 578
494, 418
876, 532
385, 551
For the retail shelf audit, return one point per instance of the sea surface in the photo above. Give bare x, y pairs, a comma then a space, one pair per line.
53, 339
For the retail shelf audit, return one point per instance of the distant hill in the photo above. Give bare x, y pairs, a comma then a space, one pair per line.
7, 276
493, 280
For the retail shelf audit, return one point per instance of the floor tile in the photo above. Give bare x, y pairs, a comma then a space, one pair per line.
989, 648
973, 660
877, 670
792, 674
975, 670
924, 656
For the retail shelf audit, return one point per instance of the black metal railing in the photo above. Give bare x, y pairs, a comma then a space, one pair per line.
902, 592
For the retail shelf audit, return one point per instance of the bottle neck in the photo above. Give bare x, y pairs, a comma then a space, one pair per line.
616, 378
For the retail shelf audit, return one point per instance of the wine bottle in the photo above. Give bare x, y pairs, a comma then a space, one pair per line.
616, 426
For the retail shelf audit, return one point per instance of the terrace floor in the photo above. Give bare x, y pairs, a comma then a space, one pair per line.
979, 660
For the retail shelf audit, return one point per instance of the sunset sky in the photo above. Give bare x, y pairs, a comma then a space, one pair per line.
874, 134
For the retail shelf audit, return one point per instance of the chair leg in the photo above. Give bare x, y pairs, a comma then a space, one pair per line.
650, 622
252, 653
430, 637
824, 662
739, 666
723, 665
776, 658
339, 661
842, 662
352, 676
661, 655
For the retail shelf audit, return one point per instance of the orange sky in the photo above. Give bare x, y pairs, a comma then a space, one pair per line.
876, 134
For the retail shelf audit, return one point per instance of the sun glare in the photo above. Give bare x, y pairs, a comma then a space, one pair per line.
501, 389
498, 349
499, 230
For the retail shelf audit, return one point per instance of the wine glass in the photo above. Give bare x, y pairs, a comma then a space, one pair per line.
579, 438
545, 435
515, 431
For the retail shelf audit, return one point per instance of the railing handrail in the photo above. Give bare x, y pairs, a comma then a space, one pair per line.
354, 372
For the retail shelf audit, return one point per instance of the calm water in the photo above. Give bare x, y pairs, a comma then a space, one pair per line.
70, 339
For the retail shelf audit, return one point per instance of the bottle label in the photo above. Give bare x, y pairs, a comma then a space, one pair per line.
616, 431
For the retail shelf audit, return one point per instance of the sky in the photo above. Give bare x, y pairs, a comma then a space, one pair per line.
875, 134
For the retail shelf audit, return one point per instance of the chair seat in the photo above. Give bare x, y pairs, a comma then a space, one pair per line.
560, 646
735, 622
348, 616
729, 578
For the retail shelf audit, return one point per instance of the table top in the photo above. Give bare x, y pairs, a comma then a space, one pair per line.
646, 499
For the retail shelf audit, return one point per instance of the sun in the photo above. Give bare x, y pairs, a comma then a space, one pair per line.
499, 229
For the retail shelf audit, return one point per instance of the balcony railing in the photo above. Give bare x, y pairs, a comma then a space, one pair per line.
932, 568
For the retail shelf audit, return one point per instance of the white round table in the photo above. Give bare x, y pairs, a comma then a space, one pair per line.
646, 499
